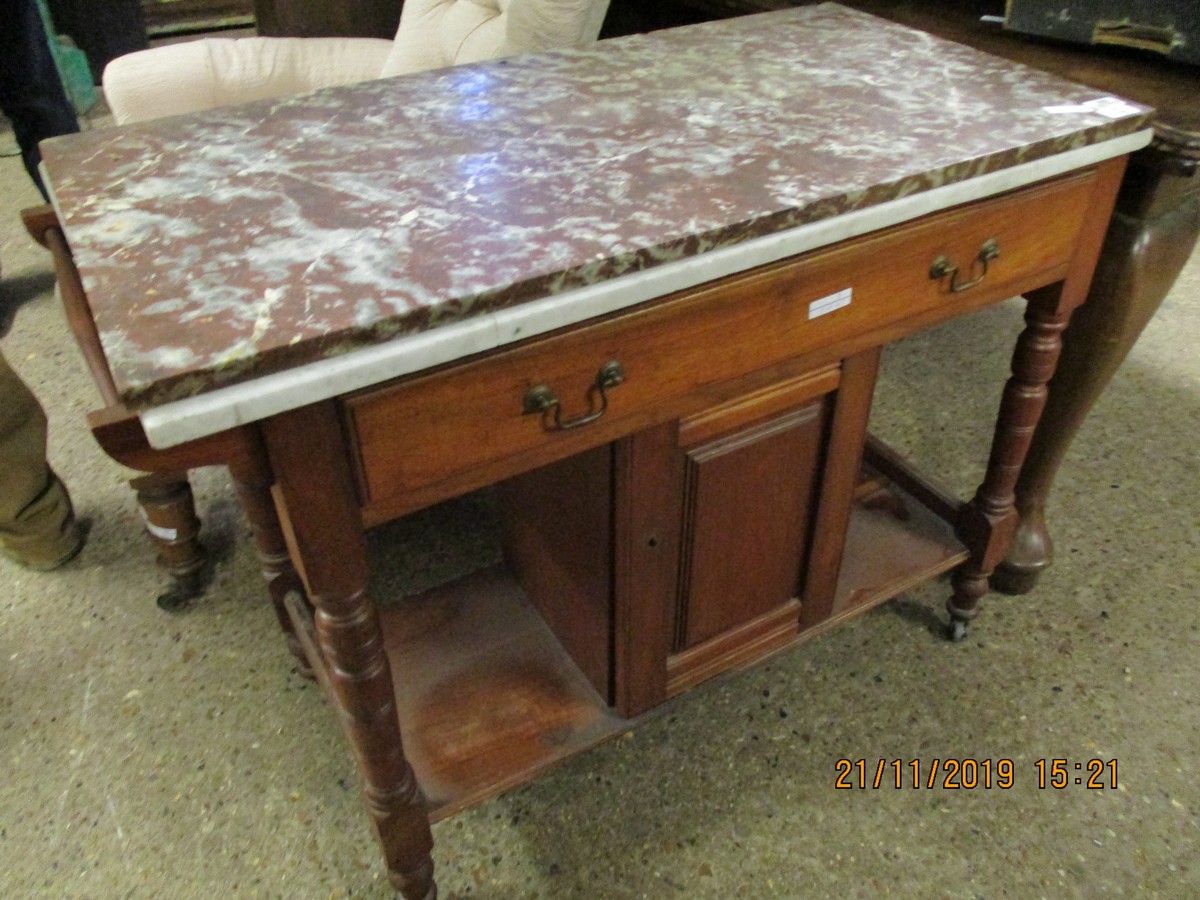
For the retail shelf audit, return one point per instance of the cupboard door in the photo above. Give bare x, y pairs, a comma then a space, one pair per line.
749, 483
748, 500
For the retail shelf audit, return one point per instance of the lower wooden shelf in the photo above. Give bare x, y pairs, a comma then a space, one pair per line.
486, 695
891, 548
488, 698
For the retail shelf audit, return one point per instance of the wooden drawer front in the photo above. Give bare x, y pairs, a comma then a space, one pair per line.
425, 438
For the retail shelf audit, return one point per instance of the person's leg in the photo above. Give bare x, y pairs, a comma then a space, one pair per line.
31, 93
37, 525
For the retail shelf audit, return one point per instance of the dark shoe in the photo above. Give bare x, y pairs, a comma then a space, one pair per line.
46, 555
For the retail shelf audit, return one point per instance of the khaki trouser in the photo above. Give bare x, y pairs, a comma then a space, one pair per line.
36, 522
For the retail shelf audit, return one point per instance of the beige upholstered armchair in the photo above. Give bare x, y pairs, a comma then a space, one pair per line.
181, 78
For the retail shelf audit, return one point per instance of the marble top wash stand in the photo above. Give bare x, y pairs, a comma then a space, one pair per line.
646, 284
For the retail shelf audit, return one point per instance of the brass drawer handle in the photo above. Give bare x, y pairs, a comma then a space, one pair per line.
540, 399
942, 267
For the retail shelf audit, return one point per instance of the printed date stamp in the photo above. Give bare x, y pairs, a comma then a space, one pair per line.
968, 774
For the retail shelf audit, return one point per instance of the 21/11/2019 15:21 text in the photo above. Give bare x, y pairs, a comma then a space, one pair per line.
971, 774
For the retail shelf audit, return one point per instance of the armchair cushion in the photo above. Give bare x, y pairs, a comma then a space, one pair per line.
553, 25
437, 33
193, 76
197, 75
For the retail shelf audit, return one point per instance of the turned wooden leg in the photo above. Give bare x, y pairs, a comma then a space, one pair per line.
989, 521
316, 498
252, 479
1141, 259
169, 514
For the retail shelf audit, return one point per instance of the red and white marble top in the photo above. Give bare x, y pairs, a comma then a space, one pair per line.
219, 247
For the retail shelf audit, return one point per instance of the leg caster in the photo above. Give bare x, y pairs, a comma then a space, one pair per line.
416, 884
169, 514
969, 588
182, 589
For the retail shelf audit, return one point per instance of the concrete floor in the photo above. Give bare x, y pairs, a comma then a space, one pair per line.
180, 756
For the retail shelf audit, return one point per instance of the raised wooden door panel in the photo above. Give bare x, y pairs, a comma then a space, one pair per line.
745, 528
746, 473
428, 437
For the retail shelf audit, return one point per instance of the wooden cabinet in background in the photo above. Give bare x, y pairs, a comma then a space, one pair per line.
322, 18
170, 17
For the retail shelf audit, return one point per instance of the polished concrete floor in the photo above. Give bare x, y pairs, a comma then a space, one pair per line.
148, 755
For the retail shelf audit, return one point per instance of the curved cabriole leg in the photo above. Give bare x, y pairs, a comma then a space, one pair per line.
169, 515
1141, 259
990, 520
315, 493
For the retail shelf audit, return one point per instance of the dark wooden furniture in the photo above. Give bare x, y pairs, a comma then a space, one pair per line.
322, 18
1151, 236
678, 426
1168, 28
175, 17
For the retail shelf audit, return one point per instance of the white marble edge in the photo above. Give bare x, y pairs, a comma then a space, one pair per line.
185, 420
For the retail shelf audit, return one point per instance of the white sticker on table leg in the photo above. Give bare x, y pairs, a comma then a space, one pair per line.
166, 534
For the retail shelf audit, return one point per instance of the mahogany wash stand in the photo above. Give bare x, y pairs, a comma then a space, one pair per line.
642, 289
